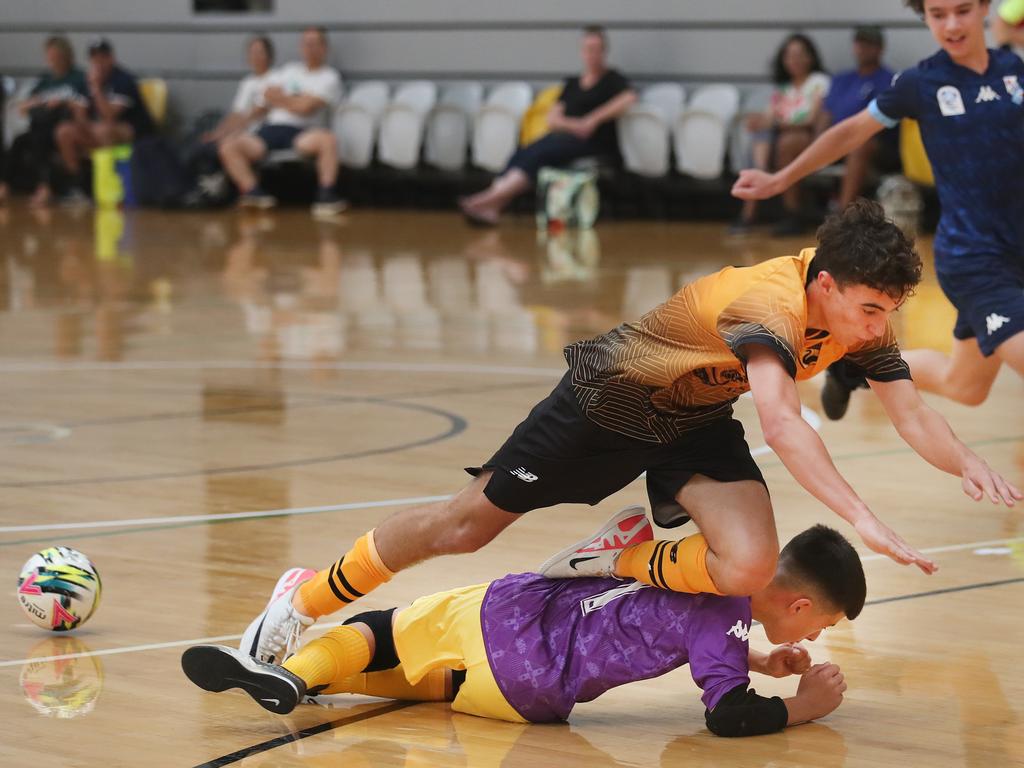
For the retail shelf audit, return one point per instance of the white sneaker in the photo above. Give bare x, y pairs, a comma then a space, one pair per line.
273, 635
597, 554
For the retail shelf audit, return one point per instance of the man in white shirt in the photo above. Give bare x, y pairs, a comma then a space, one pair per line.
297, 100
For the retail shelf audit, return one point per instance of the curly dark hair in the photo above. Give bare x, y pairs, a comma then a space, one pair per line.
779, 74
860, 246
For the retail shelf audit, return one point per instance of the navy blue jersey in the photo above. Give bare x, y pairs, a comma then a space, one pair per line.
973, 130
122, 89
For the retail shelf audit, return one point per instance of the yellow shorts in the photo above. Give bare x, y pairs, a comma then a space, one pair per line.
443, 630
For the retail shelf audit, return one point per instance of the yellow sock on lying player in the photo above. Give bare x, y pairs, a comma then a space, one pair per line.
681, 566
391, 684
360, 571
340, 653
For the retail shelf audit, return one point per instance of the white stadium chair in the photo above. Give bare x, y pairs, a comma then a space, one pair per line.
645, 129
496, 131
403, 122
356, 120
701, 132
449, 125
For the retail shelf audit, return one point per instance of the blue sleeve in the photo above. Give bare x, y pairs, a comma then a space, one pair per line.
899, 100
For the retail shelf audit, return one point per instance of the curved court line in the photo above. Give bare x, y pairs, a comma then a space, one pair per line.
330, 625
456, 425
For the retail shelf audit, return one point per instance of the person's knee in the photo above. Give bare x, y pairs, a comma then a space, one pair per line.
227, 147
744, 571
971, 393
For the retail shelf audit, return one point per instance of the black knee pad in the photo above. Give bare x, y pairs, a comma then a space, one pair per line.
384, 655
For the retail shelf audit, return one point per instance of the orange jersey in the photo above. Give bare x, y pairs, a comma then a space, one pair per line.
681, 365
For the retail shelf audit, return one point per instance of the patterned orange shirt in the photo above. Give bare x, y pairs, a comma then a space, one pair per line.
681, 365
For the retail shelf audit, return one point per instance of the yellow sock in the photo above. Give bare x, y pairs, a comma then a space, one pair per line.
681, 566
391, 684
341, 652
360, 571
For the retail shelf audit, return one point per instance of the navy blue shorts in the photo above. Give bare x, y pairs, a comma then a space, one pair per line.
988, 293
278, 136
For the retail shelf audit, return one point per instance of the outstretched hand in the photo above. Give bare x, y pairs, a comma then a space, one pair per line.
882, 539
980, 480
753, 184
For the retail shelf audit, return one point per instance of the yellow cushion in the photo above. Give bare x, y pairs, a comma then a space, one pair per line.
916, 165
154, 93
535, 121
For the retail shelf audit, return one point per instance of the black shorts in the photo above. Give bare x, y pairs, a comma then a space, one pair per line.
558, 455
278, 136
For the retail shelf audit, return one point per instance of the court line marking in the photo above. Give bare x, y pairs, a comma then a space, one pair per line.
313, 730
329, 625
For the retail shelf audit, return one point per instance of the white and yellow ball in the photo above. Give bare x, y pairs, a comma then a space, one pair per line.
59, 589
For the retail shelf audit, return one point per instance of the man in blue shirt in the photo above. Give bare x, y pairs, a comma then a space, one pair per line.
850, 93
969, 102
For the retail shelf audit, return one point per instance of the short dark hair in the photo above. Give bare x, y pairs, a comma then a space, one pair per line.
596, 30
779, 74
266, 42
860, 246
822, 559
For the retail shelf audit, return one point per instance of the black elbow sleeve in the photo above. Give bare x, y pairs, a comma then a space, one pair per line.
743, 713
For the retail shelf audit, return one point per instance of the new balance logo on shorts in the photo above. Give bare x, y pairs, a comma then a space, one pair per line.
986, 94
522, 474
994, 322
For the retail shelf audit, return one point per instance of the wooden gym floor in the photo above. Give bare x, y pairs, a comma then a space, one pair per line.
199, 401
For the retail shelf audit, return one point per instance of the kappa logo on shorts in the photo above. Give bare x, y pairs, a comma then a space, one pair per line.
741, 630
994, 322
522, 474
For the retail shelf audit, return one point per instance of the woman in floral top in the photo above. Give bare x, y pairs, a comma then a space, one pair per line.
784, 129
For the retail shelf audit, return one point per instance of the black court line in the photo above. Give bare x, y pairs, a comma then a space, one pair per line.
265, 746
945, 591
280, 741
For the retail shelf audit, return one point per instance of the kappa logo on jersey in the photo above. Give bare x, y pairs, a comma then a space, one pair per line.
951, 103
994, 322
741, 630
522, 474
987, 93
1013, 88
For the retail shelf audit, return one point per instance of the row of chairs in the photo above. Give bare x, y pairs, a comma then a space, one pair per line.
457, 123
444, 126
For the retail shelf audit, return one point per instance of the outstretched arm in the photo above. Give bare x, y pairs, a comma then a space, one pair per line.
838, 141
800, 448
929, 434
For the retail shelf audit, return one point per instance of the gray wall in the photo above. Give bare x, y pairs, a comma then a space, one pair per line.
689, 40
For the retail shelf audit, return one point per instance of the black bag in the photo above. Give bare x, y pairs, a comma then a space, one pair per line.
158, 177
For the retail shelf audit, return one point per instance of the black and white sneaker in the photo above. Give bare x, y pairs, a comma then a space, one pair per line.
217, 668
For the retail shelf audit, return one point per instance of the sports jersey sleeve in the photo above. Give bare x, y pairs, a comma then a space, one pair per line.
881, 360
245, 97
327, 88
899, 100
718, 647
768, 314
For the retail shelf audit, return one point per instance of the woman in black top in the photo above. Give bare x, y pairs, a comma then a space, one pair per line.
582, 124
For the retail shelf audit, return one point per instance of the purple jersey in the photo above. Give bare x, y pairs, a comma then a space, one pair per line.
553, 642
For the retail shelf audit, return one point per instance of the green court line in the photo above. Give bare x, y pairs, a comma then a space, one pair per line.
173, 526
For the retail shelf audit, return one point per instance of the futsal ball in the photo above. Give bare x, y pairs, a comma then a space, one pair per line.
59, 588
